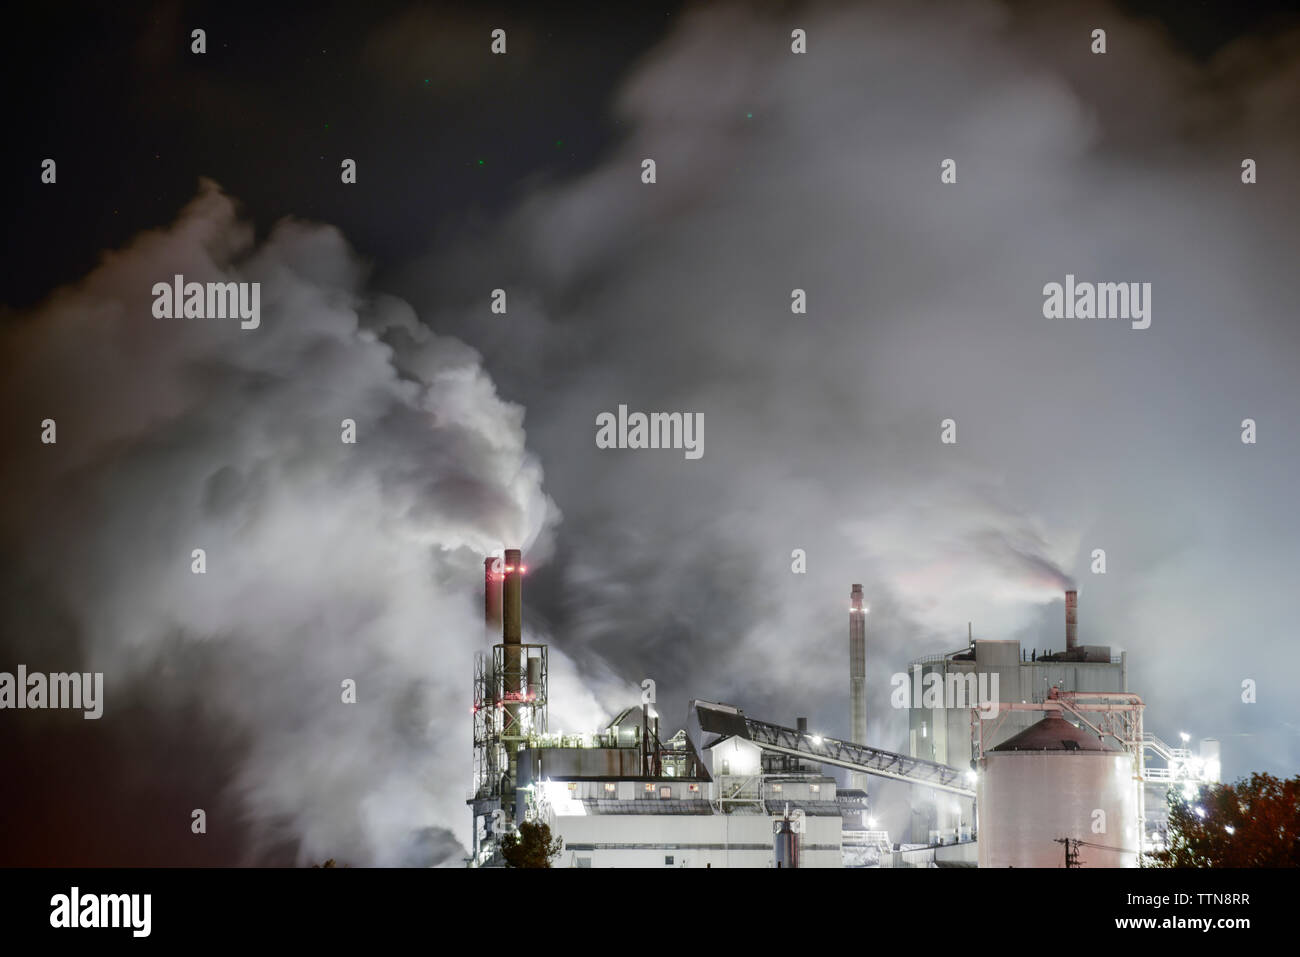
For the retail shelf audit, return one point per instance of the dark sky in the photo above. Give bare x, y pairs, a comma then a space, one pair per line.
296, 91
478, 172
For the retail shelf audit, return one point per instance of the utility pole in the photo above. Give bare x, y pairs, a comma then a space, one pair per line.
1071, 850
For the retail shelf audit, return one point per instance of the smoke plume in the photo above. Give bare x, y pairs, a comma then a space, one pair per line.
326, 562
821, 172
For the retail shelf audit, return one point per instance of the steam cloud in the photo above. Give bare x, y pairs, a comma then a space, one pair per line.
774, 172
325, 561
821, 172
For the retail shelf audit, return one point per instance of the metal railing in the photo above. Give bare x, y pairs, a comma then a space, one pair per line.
935, 659
857, 757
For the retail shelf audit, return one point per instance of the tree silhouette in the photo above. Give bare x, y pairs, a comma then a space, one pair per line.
1252, 823
531, 847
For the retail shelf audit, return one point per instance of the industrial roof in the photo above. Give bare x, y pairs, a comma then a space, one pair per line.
810, 808
645, 806
1054, 733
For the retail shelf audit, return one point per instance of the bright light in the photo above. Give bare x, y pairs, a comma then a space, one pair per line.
817, 740
562, 800
1185, 736
1200, 812
1230, 829
866, 610
871, 823
971, 776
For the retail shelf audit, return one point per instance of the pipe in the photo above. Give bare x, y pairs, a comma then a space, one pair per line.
492, 575
512, 598
512, 659
857, 677
512, 622
1071, 620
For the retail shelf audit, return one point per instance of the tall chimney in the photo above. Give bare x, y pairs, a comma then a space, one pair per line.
512, 621
492, 575
512, 661
1071, 620
512, 612
857, 677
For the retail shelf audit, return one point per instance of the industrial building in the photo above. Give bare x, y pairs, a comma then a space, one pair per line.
1023, 676
1042, 764
1052, 784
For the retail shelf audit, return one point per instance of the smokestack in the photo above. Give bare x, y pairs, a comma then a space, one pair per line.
512, 679
512, 599
492, 575
1071, 620
512, 621
801, 725
857, 677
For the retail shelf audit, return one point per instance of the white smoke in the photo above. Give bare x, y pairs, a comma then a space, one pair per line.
821, 172
325, 561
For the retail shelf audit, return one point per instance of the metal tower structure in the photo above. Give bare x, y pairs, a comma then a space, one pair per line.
857, 678
510, 686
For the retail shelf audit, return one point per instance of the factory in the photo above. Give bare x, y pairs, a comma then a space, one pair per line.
1046, 768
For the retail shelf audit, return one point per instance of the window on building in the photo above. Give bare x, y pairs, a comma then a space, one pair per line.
610, 787
666, 791
815, 788
668, 860
650, 788
695, 787
573, 785
776, 788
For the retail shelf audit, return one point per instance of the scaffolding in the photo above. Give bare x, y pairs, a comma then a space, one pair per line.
505, 720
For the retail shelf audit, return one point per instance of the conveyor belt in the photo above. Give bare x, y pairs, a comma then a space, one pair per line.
724, 719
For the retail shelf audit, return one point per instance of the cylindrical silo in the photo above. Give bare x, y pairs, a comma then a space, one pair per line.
785, 844
1050, 782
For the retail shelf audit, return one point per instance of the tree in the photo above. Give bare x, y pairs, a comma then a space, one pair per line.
1254, 822
531, 846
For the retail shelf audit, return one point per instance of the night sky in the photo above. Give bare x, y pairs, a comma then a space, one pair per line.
476, 431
